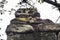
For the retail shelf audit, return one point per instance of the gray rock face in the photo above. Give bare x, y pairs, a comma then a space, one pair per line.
59, 36
27, 26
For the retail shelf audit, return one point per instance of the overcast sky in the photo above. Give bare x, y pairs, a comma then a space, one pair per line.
46, 11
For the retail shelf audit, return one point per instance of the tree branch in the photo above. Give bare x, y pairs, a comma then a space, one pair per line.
53, 3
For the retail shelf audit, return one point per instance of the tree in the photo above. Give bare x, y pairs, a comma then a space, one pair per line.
53, 3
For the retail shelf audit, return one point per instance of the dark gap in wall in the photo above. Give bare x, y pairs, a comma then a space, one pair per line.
0, 28
0, 35
1, 39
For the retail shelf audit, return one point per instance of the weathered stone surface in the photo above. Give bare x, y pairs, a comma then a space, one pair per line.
28, 26
33, 36
59, 36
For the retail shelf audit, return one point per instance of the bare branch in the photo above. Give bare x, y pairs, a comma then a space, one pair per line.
53, 3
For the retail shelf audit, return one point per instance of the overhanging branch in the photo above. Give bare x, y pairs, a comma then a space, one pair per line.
53, 3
